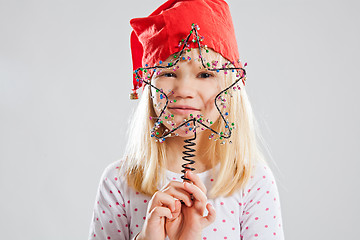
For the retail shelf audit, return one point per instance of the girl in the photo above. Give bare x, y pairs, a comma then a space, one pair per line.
217, 187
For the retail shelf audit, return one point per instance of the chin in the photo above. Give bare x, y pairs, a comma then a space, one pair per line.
184, 132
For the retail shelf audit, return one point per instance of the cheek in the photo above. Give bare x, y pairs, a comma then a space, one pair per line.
210, 111
159, 102
209, 96
159, 97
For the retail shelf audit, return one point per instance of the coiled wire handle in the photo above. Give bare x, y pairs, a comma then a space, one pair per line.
188, 154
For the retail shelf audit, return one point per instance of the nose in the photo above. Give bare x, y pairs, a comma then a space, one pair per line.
183, 88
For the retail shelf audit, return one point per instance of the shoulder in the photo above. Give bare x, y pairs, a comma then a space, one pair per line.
262, 181
113, 169
261, 205
262, 173
113, 175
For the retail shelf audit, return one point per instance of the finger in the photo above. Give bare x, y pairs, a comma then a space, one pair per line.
210, 218
196, 192
159, 212
160, 199
178, 191
175, 184
177, 211
196, 180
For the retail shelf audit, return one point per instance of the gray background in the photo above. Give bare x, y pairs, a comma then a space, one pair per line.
65, 76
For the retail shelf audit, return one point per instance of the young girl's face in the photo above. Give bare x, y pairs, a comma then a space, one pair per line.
191, 90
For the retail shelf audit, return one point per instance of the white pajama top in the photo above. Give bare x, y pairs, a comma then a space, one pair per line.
252, 213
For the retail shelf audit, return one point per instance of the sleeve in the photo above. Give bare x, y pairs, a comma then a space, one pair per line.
261, 216
109, 219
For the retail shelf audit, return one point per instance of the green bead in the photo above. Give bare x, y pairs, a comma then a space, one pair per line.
208, 64
233, 124
166, 117
211, 122
157, 90
172, 115
207, 50
157, 133
174, 100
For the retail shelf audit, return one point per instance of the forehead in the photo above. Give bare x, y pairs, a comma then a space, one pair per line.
195, 56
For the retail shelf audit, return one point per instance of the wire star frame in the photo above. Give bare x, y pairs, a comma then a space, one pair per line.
195, 121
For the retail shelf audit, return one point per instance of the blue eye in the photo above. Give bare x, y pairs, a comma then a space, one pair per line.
168, 74
205, 75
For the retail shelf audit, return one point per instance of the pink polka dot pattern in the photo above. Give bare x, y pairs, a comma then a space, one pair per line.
261, 212
251, 213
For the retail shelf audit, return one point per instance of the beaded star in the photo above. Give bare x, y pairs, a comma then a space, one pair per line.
144, 75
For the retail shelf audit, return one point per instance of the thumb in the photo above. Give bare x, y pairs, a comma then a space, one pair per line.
210, 218
177, 210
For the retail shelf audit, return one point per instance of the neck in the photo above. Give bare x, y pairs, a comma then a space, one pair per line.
175, 148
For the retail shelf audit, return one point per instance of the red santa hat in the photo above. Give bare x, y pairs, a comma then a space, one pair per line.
156, 37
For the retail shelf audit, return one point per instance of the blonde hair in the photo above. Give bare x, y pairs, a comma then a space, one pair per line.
144, 158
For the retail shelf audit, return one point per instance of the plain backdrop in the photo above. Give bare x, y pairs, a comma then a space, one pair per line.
65, 79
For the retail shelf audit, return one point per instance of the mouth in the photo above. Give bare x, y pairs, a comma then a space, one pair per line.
183, 109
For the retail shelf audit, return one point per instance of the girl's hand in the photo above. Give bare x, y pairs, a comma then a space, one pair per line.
188, 221
164, 204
